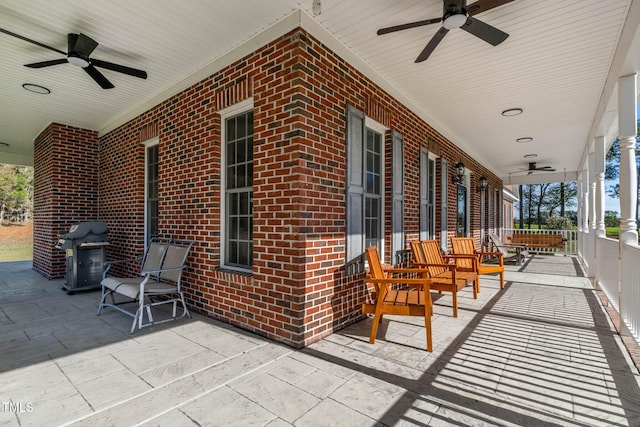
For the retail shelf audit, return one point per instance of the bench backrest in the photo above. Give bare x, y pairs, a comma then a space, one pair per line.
154, 256
175, 258
538, 239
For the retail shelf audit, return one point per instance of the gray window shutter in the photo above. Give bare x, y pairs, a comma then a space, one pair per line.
424, 194
355, 184
397, 214
444, 203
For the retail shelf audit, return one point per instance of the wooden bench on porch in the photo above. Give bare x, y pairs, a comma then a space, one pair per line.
539, 240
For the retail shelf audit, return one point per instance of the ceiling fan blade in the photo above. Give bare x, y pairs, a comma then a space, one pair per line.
47, 63
484, 31
433, 43
98, 77
484, 5
81, 44
18, 36
119, 68
387, 30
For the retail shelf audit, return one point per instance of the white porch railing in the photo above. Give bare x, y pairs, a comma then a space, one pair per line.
630, 288
616, 270
570, 236
608, 269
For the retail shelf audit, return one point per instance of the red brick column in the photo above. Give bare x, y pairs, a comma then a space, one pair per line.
65, 161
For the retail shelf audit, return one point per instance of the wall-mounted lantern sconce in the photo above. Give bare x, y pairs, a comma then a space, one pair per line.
483, 183
459, 178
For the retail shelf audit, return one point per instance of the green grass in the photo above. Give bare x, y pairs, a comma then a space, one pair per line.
16, 242
17, 252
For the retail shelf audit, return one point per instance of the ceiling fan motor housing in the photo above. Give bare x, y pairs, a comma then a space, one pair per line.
454, 14
79, 49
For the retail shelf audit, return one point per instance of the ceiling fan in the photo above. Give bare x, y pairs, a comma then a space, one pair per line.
534, 168
456, 14
79, 51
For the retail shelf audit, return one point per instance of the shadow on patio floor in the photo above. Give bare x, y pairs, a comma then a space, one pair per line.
540, 352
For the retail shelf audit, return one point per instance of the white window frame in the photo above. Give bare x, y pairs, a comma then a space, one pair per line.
431, 157
225, 113
155, 141
382, 130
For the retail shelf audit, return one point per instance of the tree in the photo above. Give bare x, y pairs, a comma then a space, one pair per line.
16, 191
611, 219
540, 202
612, 170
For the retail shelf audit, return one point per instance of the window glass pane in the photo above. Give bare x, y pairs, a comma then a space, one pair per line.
231, 129
239, 179
461, 217
249, 174
243, 253
241, 176
373, 189
233, 204
244, 204
231, 153
241, 126
241, 151
151, 202
243, 228
232, 254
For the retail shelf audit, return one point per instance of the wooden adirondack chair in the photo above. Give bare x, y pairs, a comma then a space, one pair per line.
443, 274
405, 296
466, 246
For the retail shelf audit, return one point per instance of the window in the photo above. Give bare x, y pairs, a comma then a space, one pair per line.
373, 190
151, 189
365, 185
461, 212
427, 195
238, 190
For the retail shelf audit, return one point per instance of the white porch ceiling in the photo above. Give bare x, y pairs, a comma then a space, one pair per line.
559, 64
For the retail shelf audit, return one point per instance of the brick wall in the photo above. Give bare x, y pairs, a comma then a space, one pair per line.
299, 289
65, 162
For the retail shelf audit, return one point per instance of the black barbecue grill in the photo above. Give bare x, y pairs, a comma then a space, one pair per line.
85, 248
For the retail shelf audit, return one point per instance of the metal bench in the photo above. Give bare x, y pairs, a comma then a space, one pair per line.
159, 282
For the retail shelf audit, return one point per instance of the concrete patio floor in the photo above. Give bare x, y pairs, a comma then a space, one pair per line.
541, 352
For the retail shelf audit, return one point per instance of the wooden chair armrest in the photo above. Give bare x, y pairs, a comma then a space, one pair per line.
463, 256
399, 281
449, 266
405, 270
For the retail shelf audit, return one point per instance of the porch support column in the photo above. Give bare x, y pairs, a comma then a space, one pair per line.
592, 192
585, 201
628, 122
580, 201
599, 175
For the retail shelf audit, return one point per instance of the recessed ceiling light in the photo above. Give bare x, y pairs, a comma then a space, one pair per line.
530, 156
36, 88
524, 139
512, 112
